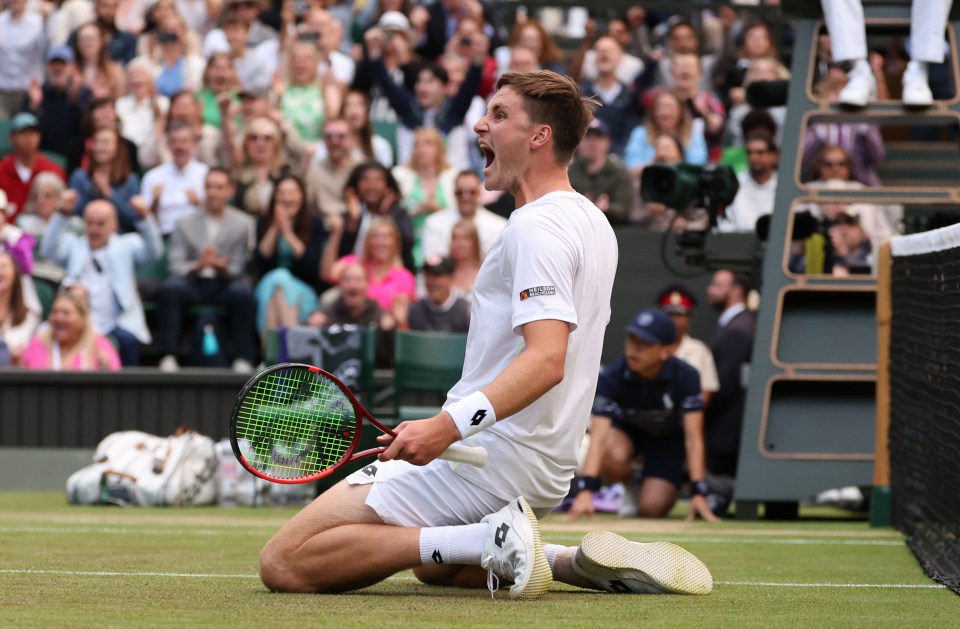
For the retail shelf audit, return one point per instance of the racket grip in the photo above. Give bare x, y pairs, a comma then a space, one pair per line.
470, 455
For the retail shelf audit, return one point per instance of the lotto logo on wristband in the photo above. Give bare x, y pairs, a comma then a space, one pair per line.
472, 414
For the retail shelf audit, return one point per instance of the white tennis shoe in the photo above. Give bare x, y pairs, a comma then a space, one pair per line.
615, 564
916, 89
513, 551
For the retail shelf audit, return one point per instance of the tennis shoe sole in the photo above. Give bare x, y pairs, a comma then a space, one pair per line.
615, 564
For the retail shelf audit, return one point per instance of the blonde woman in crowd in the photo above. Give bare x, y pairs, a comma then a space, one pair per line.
466, 255
219, 84
390, 284
262, 165
666, 115
68, 342
305, 99
426, 182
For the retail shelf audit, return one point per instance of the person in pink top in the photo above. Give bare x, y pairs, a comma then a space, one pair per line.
391, 285
68, 342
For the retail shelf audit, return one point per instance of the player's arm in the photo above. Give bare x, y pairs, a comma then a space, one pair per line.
697, 465
589, 475
537, 369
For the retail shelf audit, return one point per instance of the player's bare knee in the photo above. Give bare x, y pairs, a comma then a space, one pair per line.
278, 573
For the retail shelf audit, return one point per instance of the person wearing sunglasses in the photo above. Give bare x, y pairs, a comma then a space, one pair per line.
438, 228
262, 165
328, 174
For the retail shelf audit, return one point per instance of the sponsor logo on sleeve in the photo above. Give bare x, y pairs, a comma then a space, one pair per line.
537, 291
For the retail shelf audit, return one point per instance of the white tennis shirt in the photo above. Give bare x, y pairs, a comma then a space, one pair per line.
556, 259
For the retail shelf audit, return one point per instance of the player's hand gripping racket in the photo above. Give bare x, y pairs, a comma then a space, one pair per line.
297, 423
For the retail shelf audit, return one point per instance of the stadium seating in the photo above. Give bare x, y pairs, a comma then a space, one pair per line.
425, 362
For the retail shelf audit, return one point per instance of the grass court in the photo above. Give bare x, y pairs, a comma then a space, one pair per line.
63, 566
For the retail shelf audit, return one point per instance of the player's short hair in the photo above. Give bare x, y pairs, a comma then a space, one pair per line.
554, 100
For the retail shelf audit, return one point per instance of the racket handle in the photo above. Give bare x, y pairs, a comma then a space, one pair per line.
470, 455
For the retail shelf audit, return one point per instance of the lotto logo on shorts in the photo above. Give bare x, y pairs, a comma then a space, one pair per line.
537, 291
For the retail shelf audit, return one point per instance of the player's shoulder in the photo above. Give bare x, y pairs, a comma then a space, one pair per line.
561, 209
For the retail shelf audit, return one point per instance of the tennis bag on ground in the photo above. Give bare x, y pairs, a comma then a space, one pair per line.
133, 468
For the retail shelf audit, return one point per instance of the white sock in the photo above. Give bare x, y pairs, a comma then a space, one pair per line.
552, 551
460, 545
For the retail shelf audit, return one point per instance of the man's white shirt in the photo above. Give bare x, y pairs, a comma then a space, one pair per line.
438, 228
174, 200
555, 260
753, 200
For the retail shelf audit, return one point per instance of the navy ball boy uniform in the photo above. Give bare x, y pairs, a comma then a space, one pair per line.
651, 412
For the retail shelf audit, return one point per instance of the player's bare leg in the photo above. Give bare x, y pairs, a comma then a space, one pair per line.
326, 546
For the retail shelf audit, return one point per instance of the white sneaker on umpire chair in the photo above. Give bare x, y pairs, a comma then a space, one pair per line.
916, 88
861, 87
615, 564
514, 552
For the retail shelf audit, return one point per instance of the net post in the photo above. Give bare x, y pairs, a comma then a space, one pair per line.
880, 497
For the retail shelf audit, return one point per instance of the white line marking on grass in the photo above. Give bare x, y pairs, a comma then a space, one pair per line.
694, 539
173, 530
832, 585
407, 577
98, 573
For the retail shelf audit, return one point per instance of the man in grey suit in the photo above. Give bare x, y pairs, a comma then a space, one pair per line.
208, 252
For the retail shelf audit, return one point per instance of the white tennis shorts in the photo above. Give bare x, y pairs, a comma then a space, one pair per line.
408, 495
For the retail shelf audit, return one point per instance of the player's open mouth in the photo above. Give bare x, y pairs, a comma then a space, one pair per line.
488, 154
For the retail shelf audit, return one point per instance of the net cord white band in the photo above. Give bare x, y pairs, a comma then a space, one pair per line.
926, 242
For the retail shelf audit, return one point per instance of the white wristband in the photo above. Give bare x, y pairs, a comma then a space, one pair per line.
472, 414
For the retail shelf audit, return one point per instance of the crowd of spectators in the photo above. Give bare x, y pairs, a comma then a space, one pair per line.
303, 162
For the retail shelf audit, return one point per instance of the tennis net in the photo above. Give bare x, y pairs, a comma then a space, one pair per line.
924, 371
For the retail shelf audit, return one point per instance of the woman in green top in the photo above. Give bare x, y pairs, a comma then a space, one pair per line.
219, 79
426, 182
307, 100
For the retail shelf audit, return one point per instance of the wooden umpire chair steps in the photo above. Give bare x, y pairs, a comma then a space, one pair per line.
811, 414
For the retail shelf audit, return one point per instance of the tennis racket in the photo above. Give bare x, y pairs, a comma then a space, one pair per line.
297, 423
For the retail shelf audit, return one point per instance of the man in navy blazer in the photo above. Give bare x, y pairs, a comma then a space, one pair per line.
732, 346
106, 262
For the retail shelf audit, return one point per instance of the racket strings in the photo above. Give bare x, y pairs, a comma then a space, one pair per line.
295, 423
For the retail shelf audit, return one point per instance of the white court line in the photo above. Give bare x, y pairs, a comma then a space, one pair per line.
96, 573
693, 539
403, 577
555, 538
134, 531
833, 585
